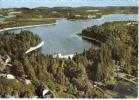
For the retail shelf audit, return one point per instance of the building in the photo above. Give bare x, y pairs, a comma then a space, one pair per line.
44, 92
47, 94
15, 13
10, 76
58, 55
95, 10
7, 76
27, 81
77, 15
91, 16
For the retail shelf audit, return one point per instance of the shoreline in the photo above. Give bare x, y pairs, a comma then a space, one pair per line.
99, 18
28, 26
93, 40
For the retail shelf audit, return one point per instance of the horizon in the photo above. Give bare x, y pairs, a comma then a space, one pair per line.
66, 3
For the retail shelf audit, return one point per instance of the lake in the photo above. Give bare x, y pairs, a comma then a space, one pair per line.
62, 37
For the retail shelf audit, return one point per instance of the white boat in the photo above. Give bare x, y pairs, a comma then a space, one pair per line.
35, 47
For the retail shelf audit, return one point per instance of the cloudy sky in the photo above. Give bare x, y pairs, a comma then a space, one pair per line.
70, 3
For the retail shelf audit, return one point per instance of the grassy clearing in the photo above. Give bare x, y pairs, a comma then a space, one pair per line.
26, 22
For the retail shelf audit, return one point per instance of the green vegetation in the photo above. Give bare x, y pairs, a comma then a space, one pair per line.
43, 15
65, 77
119, 45
25, 22
70, 78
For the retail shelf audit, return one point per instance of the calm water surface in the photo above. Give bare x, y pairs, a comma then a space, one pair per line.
62, 37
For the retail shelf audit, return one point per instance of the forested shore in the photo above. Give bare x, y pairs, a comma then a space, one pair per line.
69, 78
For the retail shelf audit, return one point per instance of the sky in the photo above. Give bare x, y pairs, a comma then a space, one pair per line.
63, 3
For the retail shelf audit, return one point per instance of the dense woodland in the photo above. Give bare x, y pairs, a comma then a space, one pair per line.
65, 77
119, 43
69, 77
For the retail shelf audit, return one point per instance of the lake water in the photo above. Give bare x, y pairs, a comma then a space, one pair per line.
62, 37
